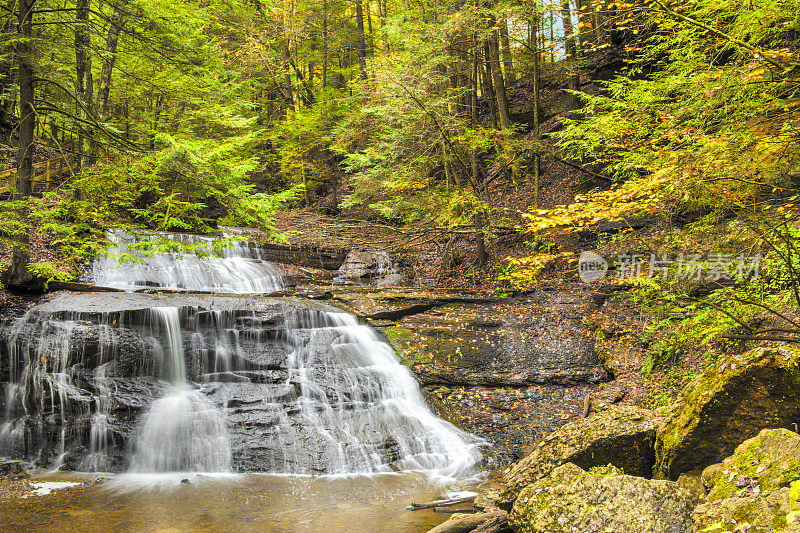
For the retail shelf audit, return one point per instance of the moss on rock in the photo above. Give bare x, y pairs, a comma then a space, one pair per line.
621, 436
570, 499
753, 486
732, 401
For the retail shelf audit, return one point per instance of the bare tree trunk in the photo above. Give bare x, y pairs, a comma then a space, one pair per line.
382, 18
569, 44
17, 275
480, 241
7, 73
362, 52
156, 117
286, 60
127, 115
27, 80
488, 90
536, 85
83, 71
325, 44
115, 27
505, 48
497, 81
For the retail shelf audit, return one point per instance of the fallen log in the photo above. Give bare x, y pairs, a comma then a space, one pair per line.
440, 503
470, 523
498, 524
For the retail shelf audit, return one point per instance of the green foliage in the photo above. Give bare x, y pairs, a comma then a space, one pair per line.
49, 272
520, 274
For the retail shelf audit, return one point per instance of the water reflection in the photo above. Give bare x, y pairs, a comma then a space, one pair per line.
263, 503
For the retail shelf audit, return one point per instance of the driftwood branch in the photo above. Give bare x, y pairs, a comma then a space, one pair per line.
440, 503
492, 522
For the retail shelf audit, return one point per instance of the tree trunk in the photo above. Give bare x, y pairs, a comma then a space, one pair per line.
325, 44
7, 74
362, 51
156, 116
505, 48
285, 60
27, 79
536, 85
488, 90
18, 276
497, 81
480, 242
382, 18
287, 75
115, 27
83, 71
569, 44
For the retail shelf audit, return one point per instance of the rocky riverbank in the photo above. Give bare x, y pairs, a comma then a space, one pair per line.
723, 458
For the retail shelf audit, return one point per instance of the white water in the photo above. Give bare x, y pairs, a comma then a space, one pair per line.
237, 269
287, 389
357, 394
183, 431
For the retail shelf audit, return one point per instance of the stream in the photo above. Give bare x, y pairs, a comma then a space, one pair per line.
214, 406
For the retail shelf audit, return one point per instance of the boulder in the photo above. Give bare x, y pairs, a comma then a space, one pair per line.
621, 436
733, 400
757, 486
603, 499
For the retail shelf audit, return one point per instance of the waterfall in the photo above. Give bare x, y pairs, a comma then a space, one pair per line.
254, 385
360, 408
235, 269
183, 431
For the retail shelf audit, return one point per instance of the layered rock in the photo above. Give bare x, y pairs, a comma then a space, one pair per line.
510, 370
301, 387
621, 436
603, 499
733, 400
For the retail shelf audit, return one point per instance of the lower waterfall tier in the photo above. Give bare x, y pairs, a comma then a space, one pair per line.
257, 385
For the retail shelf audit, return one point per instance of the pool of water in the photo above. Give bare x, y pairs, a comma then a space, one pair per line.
263, 503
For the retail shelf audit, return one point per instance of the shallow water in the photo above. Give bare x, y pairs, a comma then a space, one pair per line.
263, 503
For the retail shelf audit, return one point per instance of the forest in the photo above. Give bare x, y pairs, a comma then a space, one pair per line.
590, 205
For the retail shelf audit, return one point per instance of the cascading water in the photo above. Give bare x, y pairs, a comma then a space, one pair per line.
237, 268
254, 385
183, 431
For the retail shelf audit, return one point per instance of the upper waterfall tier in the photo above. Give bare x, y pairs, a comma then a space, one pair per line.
237, 268
256, 384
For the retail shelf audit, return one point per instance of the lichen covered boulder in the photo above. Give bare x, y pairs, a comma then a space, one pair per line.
603, 499
621, 436
733, 400
756, 487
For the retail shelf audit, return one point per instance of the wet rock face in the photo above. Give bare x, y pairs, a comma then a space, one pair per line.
63, 366
301, 387
487, 342
620, 436
510, 370
732, 401
571, 499
369, 266
753, 485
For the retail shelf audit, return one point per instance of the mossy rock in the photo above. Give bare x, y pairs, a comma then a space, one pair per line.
768, 461
754, 486
732, 401
621, 436
571, 499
